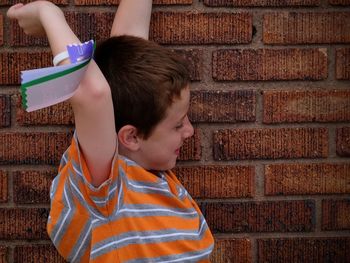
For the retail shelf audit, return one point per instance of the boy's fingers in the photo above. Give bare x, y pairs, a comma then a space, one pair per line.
11, 13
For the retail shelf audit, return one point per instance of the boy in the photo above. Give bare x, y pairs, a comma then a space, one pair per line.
115, 198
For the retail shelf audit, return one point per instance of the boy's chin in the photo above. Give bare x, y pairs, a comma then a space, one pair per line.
166, 167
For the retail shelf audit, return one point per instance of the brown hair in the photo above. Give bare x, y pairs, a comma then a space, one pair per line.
144, 79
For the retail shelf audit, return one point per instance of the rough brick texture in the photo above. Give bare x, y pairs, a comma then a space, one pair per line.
320, 250
91, 25
194, 59
3, 254
323, 27
86, 25
300, 179
12, 2
270, 64
37, 253
306, 106
270, 143
217, 181
232, 250
5, 111
32, 186
3, 187
335, 214
115, 2
343, 141
23, 223
282, 216
33, 148
1, 30
222, 106
59, 114
201, 28
261, 3
166, 28
17, 37
342, 60
339, 2
191, 149
12, 63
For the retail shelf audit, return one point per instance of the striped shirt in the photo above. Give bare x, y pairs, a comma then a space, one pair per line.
135, 216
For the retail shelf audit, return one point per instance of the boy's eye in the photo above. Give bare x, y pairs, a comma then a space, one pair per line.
179, 126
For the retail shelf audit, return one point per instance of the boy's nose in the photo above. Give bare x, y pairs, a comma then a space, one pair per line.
188, 131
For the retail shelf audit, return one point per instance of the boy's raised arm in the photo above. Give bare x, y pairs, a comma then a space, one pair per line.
132, 18
92, 102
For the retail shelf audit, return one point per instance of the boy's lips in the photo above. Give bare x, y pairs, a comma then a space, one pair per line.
177, 151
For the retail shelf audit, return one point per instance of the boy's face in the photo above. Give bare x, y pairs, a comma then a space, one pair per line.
160, 150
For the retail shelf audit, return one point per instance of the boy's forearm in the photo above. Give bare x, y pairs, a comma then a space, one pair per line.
132, 18
58, 32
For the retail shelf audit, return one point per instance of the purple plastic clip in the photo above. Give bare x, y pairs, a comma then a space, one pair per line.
80, 52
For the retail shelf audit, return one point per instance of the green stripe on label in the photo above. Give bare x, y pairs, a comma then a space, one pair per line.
28, 85
53, 76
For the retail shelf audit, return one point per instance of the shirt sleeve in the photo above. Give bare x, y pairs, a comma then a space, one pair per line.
76, 203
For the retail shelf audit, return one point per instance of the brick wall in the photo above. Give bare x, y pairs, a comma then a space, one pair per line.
270, 160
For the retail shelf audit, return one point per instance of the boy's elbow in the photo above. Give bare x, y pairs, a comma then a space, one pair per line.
94, 88
91, 94
97, 91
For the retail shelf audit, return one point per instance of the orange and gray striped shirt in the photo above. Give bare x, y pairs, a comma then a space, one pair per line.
135, 216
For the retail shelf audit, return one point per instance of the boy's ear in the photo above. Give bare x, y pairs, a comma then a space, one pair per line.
127, 136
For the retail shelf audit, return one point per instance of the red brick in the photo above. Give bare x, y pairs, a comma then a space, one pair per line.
194, 58
232, 250
59, 114
343, 141
335, 214
222, 106
339, 2
166, 28
270, 64
261, 3
81, 21
90, 25
3, 187
218, 181
37, 253
306, 106
19, 39
12, 63
4, 255
12, 2
5, 111
115, 2
23, 223
281, 216
32, 186
342, 63
201, 28
1, 30
33, 148
191, 149
306, 28
86, 25
292, 250
270, 143
300, 179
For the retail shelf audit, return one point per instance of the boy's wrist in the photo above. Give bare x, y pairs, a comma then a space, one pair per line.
48, 12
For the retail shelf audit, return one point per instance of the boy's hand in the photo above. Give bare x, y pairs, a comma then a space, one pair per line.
30, 16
